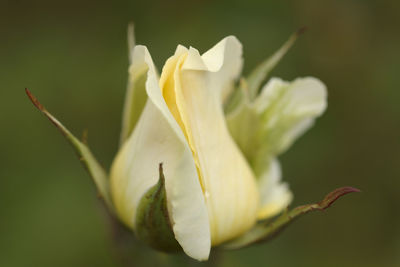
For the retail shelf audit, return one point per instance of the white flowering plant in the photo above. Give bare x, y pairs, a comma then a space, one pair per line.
197, 165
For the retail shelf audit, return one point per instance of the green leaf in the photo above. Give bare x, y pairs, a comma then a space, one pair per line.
267, 230
153, 225
260, 73
97, 173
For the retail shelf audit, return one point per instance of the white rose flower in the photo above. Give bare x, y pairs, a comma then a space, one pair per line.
197, 166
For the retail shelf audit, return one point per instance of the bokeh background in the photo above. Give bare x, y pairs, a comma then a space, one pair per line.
73, 56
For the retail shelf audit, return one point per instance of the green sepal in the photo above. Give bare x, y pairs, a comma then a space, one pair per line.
264, 231
99, 176
131, 39
260, 73
152, 224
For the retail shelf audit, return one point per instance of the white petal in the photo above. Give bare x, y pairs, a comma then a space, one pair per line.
268, 126
289, 109
136, 96
225, 58
158, 138
195, 99
274, 195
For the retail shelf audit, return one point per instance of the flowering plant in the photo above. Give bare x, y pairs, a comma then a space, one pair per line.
197, 166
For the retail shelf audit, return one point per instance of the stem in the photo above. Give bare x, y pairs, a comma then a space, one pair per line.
130, 252
124, 243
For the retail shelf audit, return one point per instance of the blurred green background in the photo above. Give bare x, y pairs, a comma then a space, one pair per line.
73, 57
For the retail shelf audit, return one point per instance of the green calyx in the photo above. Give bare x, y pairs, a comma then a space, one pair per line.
153, 225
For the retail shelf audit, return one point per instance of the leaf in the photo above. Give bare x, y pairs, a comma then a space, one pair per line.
153, 225
259, 74
97, 173
267, 230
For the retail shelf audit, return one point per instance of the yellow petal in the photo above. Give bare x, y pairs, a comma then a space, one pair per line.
157, 138
193, 87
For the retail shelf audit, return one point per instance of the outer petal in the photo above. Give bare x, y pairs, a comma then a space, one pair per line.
226, 59
268, 126
228, 182
287, 110
136, 96
274, 195
157, 138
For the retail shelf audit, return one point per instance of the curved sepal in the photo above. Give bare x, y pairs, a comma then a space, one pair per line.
131, 40
250, 86
260, 73
266, 230
95, 170
153, 225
